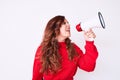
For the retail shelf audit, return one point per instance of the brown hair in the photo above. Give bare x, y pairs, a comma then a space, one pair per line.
50, 55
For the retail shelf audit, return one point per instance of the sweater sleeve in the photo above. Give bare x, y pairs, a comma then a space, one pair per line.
36, 67
87, 61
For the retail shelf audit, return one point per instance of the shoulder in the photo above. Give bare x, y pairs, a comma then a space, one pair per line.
75, 45
38, 52
77, 48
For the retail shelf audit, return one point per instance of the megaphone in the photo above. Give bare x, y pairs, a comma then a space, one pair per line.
96, 22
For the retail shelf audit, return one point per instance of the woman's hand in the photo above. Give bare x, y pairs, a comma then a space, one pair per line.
89, 35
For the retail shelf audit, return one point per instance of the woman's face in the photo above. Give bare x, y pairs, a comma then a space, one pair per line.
64, 30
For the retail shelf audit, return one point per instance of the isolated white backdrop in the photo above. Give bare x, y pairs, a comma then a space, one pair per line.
22, 23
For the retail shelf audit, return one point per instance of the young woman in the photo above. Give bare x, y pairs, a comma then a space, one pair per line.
57, 58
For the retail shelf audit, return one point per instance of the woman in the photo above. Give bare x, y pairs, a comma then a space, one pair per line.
57, 58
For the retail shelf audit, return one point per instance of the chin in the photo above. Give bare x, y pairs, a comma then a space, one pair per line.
68, 36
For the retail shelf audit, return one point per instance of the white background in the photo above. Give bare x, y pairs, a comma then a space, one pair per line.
22, 23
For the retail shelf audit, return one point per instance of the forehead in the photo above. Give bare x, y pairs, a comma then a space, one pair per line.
65, 20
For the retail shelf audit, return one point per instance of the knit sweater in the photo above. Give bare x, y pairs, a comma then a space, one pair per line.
86, 62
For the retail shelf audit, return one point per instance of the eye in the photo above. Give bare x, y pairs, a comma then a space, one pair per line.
64, 22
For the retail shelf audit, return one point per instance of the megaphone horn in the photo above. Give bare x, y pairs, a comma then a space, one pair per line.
96, 22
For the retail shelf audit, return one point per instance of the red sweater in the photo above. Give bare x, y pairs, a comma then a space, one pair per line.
85, 62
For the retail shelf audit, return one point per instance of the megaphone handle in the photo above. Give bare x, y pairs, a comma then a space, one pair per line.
90, 39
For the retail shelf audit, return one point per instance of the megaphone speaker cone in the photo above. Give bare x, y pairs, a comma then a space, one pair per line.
95, 22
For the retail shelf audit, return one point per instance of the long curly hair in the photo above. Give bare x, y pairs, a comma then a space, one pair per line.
51, 59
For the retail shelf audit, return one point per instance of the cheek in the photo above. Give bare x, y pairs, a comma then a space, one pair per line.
62, 30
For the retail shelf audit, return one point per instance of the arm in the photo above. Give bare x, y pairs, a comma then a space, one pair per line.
36, 67
87, 61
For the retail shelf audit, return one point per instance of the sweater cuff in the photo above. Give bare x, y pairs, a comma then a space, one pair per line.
89, 42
